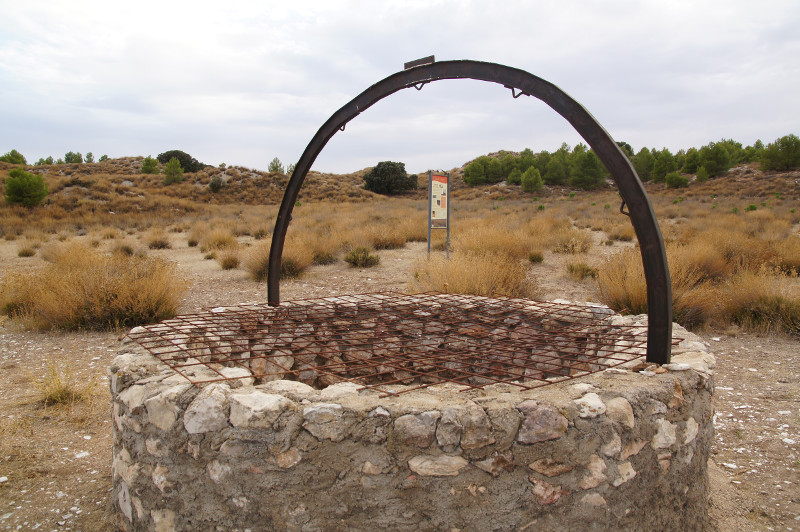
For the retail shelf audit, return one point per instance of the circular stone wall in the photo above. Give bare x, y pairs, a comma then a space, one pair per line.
624, 448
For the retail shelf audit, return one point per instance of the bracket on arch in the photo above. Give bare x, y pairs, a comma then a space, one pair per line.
516, 94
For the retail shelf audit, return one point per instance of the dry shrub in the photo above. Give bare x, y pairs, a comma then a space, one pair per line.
787, 255
622, 232
763, 302
483, 274
740, 250
218, 238
26, 251
157, 239
84, 289
59, 385
571, 241
621, 285
361, 258
484, 237
580, 271
229, 259
296, 258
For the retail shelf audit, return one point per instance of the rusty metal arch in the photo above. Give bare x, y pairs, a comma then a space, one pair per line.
521, 83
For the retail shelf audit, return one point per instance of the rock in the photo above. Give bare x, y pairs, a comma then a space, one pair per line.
295, 390
497, 463
590, 406
593, 499
580, 389
546, 493
164, 520
665, 436
677, 367
550, 468
156, 448
632, 449
437, 466
326, 421
218, 471
595, 473
448, 432
288, 459
690, 432
257, 409
612, 447
541, 422
619, 410
370, 469
124, 500
208, 411
160, 478
626, 472
338, 390
163, 410
477, 429
417, 429
238, 376
677, 396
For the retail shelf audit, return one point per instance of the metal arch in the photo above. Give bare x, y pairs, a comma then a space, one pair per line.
651, 242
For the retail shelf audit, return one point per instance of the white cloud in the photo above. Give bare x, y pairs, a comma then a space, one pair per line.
245, 81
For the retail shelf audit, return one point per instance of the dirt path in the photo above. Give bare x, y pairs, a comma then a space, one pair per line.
55, 462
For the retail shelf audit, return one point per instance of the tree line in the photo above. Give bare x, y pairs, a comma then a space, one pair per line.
580, 167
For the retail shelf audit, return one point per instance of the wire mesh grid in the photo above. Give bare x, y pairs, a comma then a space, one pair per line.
394, 342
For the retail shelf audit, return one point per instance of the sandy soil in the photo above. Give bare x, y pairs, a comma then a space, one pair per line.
55, 469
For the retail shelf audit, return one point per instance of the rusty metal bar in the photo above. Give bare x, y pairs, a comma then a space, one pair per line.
651, 242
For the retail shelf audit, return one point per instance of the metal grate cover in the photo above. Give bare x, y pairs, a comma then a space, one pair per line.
394, 342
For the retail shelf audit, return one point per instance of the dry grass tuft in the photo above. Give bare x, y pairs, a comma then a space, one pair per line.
59, 386
580, 271
297, 257
361, 257
84, 289
229, 259
484, 274
570, 240
763, 302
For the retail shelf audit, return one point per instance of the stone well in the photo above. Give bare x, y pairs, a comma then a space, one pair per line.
622, 448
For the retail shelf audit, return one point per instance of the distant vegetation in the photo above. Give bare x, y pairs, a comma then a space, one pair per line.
389, 178
187, 162
24, 188
580, 168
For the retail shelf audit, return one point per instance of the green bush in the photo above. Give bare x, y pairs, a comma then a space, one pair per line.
25, 188
532, 180
715, 158
42, 161
173, 173
103, 158
187, 162
89, 157
215, 185
676, 180
361, 257
149, 165
276, 165
71, 158
514, 177
389, 178
702, 175
13, 157
589, 172
782, 154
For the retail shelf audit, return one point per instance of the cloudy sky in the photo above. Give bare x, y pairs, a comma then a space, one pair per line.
242, 82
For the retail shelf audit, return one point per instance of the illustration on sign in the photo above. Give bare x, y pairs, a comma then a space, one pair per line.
439, 208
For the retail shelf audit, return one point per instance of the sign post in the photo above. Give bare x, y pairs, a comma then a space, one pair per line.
439, 206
